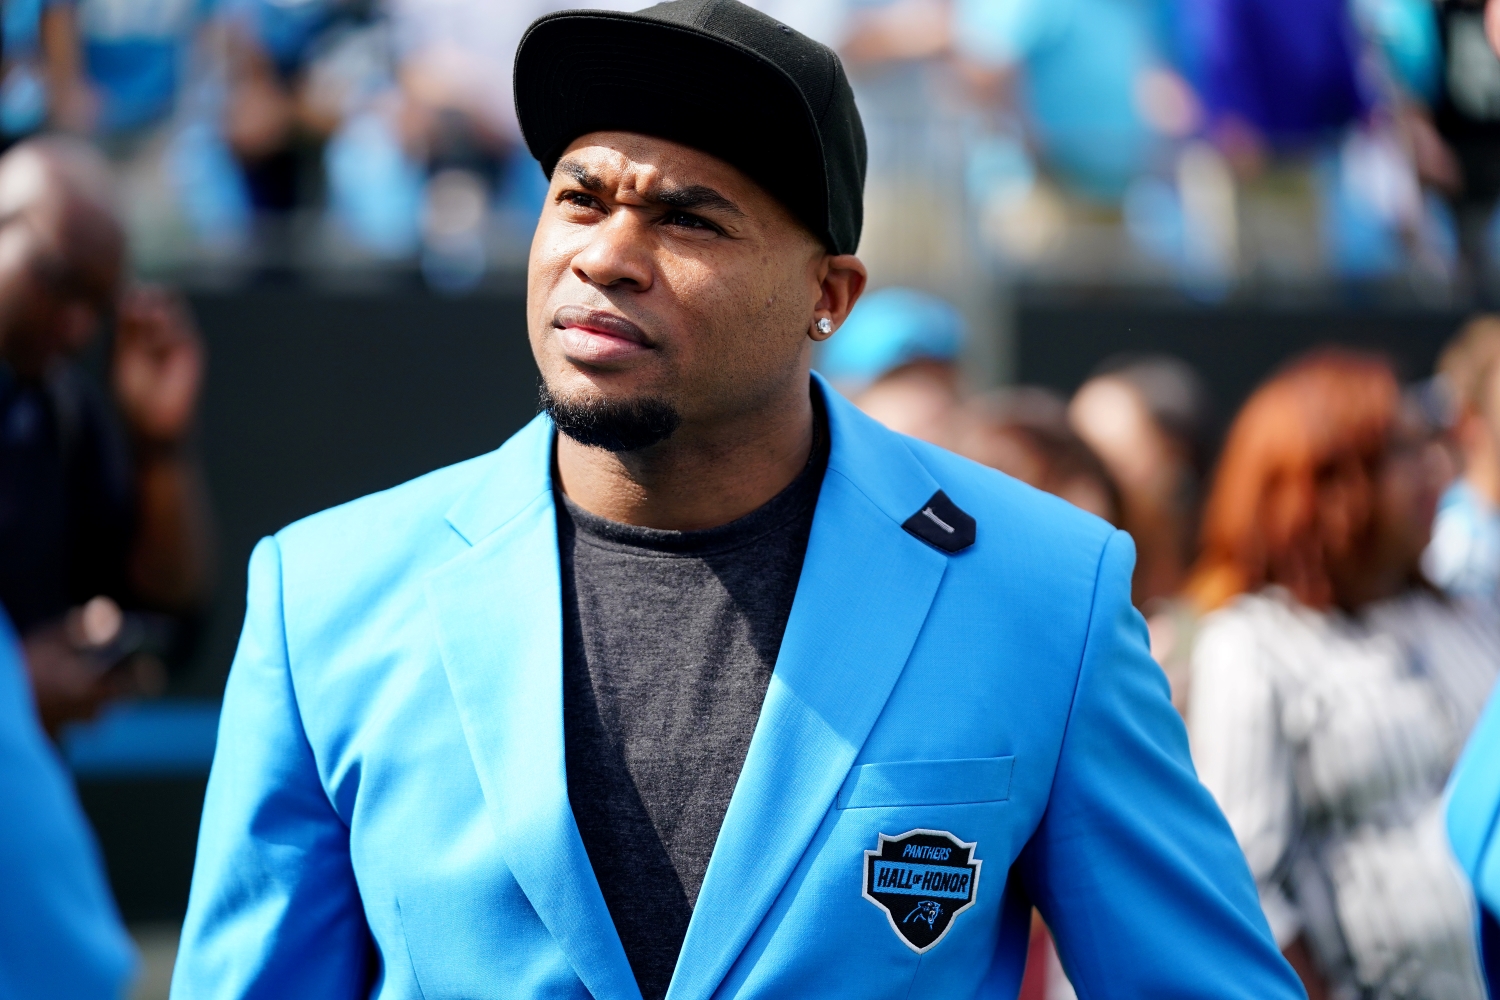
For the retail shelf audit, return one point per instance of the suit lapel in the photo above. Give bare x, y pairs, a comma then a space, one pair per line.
498, 610
864, 593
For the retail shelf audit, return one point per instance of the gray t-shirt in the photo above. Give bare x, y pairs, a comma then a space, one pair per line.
669, 640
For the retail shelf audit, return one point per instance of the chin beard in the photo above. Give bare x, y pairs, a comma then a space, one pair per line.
617, 426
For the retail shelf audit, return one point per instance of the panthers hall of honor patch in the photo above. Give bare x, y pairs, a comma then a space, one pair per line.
922, 879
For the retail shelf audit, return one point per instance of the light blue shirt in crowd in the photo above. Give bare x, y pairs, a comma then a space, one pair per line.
1080, 62
1463, 557
134, 51
60, 934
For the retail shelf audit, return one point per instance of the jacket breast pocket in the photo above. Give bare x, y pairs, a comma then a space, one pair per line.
927, 783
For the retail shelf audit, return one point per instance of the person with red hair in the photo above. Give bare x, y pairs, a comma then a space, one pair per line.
1333, 686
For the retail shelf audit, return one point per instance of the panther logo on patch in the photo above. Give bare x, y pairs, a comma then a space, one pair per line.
922, 879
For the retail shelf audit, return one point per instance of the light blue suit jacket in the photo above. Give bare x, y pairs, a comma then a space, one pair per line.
388, 813
1474, 829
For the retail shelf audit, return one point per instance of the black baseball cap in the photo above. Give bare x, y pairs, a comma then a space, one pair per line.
715, 75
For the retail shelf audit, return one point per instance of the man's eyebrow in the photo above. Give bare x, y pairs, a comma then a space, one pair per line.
580, 173
694, 197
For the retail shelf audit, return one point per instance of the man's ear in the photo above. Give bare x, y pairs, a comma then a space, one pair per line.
842, 282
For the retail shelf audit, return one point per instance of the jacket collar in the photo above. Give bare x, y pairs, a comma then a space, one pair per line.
516, 474
498, 612
873, 459
863, 596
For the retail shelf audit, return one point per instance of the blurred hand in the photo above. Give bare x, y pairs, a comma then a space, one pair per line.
69, 685
1492, 24
70, 665
158, 366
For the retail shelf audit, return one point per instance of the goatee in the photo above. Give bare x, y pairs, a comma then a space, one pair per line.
614, 425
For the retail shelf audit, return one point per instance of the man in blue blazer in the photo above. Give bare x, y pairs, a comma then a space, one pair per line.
703, 684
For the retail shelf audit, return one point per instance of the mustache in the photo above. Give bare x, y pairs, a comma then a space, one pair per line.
600, 321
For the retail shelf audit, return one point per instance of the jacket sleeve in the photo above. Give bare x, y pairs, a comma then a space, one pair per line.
274, 911
60, 935
1133, 866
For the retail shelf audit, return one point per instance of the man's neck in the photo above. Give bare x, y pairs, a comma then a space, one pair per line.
700, 477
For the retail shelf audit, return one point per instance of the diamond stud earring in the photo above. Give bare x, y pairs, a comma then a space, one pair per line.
825, 326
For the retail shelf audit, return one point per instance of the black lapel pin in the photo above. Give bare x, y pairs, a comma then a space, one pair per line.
942, 525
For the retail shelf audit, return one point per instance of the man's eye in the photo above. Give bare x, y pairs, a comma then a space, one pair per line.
688, 221
580, 198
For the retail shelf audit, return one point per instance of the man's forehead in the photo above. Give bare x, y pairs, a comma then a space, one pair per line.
645, 163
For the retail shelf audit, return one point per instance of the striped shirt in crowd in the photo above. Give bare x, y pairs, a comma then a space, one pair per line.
1327, 739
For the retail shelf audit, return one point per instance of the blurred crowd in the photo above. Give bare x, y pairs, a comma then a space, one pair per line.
1209, 144
105, 550
1322, 590
105, 553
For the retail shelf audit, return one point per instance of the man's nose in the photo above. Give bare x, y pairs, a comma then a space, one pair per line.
618, 253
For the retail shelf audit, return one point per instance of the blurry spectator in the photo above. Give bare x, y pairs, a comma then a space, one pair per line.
1148, 420
1333, 688
132, 57
83, 513
1464, 557
454, 59
1282, 73
274, 125
1078, 71
918, 122
458, 113
1345, 85
141, 79
896, 357
1024, 432
23, 90
1468, 118
60, 935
